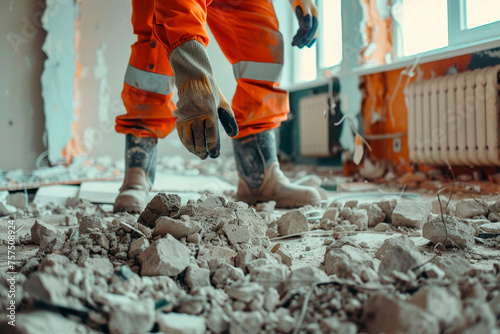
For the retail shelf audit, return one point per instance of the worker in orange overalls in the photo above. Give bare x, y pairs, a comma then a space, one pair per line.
171, 48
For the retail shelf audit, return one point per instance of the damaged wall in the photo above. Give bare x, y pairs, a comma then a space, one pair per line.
384, 99
21, 65
384, 109
58, 77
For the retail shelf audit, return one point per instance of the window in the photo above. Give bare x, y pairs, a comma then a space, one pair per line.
425, 25
327, 51
481, 12
330, 33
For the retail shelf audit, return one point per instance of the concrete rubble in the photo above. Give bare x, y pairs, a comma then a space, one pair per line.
214, 266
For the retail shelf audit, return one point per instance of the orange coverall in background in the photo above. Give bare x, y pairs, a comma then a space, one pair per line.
246, 31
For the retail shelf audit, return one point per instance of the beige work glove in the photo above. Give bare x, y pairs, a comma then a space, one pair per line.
307, 14
201, 103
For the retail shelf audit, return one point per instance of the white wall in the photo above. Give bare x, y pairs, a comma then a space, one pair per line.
21, 64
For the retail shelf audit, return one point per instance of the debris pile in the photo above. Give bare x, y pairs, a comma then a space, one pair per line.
388, 215
210, 265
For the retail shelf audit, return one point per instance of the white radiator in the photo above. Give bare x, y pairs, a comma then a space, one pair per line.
314, 126
455, 119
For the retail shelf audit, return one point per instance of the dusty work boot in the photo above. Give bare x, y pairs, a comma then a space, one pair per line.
140, 168
261, 179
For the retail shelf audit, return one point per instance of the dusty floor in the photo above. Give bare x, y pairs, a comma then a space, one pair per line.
244, 271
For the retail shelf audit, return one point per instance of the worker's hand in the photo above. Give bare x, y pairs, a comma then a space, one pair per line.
307, 14
201, 103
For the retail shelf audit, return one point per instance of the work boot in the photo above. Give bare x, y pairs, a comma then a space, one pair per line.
140, 168
261, 179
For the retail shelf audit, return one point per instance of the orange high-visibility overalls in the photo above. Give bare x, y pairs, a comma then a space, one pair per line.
247, 32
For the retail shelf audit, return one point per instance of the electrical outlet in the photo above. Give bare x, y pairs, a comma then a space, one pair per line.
396, 145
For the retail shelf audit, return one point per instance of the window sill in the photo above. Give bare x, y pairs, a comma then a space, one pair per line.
305, 85
430, 56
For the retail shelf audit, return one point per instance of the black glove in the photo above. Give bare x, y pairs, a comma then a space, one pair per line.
307, 14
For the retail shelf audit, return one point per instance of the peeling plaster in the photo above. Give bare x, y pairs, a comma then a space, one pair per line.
351, 107
383, 8
490, 53
101, 74
58, 75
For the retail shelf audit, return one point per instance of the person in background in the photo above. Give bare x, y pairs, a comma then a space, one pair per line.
171, 49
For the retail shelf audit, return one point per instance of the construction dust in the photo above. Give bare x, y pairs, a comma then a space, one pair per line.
217, 266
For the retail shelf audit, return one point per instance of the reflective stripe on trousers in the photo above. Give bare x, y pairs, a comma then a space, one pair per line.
257, 71
149, 81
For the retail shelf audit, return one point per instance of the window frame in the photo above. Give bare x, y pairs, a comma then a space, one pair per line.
295, 82
459, 37
459, 34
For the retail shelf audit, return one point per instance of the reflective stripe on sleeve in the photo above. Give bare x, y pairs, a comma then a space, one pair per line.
257, 71
149, 81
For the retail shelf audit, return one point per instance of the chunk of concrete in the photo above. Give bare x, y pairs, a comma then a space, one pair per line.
48, 288
99, 239
194, 238
386, 314
248, 216
402, 241
237, 234
178, 228
249, 322
209, 252
359, 217
351, 204
331, 213
374, 212
162, 204
410, 213
270, 275
6, 209
180, 323
129, 315
244, 257
344, 259
491, 227
292, 222
453, 266
17, 200
40, 230
304, 276
382, 227
54, 264
245, 291
437, 209
49, 245
89, 222
457, 232
399, 259
100, 265
432, 271
226, 274
286, 256
440, 303
137, 247
197, 277
334, 325
468, 208
166, 256
387, 207
217, 320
